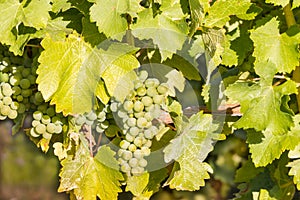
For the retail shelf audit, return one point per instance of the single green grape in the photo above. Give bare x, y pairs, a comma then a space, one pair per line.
26, 92
128, 105
25, 84
45, 119
40, 128
141, 122
142, 162
37, 115
13, 114
114, 107
14, 105
4, 77
138, 141
80, 120
33, 133
141, 91
35, 122
134, 131
138, 154
131, 122
133, 162
129, 138
7, 100
151, 91
5, 110
127, 155
138, 114
112, 130
16, 90
91, 116
7, 90
162, 88
47, 135
148, 134
145, 150
50, 111
147, 101
26, 72
58, 128
132, 147
51, 128
125, 168
138, 106
124, 144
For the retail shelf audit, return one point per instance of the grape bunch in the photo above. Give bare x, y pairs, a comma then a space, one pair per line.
8, 108
46, 122
19, 75
100, 120
138, 116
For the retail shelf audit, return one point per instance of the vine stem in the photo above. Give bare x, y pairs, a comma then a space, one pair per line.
290, 20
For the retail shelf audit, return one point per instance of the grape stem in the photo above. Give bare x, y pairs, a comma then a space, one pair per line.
90, 138
290, 20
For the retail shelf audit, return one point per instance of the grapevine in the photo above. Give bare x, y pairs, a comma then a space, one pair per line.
141, 97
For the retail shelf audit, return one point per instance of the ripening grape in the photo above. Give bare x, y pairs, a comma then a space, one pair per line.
136, 116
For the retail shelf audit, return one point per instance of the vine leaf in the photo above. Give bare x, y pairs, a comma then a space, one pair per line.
295, 171
145, 185
91, 177
198, 10
264, 97
32, 14
70, 71
220, 12
296, 3
265, 182
278, 2
163, 28
281, 49
107, 15
190, 149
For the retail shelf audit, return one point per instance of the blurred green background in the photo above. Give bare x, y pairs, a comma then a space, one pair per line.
26, 172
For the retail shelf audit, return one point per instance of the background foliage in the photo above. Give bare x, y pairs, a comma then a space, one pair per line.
83, 54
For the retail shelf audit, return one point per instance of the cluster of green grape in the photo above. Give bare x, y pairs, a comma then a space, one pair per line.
19, 77
46, 122
138, 118
100, 120
8, 108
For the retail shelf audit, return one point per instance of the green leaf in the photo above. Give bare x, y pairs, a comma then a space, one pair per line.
264, 97
90, 32
295, 171
281, 49
91, 177
60, 5
119, 77
198, 9
163, 28
32, 14
267, 147
175, 80
107, 15
70, 71
220, 12
282, 3
190, 149
247, 172
296, 4
137, 184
